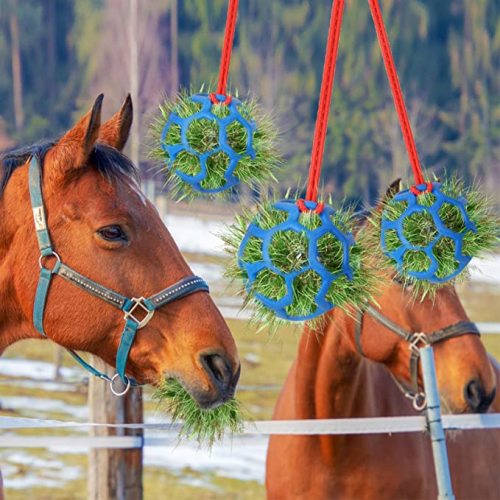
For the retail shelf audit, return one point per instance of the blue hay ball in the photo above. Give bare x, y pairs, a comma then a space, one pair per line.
411, 199
206, 113
292, 223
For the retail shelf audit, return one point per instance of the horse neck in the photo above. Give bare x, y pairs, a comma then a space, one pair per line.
329, 371
14, 206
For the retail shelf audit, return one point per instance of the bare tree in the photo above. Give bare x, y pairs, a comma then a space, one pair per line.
133, 33
17, 82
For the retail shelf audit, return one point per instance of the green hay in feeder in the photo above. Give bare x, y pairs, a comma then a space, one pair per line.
289, 252
203, 136
204, 426
420, 229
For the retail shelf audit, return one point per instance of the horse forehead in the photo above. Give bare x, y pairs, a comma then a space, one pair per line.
118, 195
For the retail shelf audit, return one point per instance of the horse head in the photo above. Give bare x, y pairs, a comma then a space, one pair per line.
102, 226
465, 375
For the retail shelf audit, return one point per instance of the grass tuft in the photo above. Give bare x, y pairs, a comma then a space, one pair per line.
420, 230
288, 251
204, 426
203, 136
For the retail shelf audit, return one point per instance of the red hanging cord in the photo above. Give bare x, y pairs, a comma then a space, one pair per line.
318, 146
227, 47
397, 94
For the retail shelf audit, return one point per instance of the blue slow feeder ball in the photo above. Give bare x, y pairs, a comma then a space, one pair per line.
313, 260
205, 112
395, 240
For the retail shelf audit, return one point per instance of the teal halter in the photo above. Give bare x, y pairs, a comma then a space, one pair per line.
148, 306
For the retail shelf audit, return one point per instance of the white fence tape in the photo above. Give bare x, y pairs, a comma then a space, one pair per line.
379, 425
489, 328
121, 442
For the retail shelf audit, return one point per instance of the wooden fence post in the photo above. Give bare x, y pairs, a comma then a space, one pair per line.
114, 474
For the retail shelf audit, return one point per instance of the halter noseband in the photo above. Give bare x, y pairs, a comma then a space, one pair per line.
130, 306
415, 340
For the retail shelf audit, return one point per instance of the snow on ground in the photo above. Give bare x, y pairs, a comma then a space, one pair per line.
40, 370
36, 407
195, 235
43, 472
212, 273
486, 270
240, 458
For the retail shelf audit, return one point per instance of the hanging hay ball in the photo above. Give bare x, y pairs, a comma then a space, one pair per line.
209, 143
204, 426
297, 265
430, 232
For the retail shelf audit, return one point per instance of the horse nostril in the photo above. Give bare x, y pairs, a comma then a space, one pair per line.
476, 397
219, 370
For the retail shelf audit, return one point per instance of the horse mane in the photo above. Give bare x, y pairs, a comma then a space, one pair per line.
110, 162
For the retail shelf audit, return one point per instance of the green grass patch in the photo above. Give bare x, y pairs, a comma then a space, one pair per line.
205, 426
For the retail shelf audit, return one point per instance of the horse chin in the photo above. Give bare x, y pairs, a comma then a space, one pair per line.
208, 400
205, 399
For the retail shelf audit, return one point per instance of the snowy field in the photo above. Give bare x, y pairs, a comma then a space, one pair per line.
241, 458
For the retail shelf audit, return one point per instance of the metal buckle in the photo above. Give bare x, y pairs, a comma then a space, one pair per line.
139, 302
419, 400
112, 385
415, 340
42, 257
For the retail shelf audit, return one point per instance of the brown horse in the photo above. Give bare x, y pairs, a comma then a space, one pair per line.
103, 227
332, 379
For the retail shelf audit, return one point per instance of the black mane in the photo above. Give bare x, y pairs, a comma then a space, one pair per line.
108, 161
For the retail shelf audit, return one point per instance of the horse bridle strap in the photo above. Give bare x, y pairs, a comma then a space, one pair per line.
415, 340
131, 307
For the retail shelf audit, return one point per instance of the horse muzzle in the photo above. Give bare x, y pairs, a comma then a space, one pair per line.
476, 397
223, 375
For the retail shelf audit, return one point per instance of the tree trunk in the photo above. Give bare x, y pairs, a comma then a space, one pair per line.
58, 359
51, 57
114, 474
134, 82
174, 48
17, 82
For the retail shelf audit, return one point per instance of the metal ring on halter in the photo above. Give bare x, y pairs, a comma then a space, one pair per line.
419, 400
42, 257
117, 393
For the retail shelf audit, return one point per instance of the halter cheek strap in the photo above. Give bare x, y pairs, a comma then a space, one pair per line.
130, 306
415, 341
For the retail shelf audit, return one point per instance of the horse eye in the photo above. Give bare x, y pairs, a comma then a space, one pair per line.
112, 233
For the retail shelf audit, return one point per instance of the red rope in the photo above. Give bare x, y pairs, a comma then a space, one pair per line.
232, 14
318, 146
397, 94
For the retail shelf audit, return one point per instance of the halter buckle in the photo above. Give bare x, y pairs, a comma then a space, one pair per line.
417, 341
139, 303
112, 386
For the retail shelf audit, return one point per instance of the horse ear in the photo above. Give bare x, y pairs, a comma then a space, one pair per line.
73, 149
392, 190
115, 131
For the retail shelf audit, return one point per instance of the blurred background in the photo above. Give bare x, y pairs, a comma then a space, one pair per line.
56, 56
